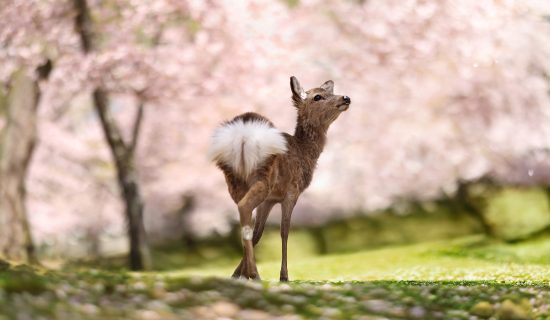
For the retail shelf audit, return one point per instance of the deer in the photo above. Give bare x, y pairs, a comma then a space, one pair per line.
264, 166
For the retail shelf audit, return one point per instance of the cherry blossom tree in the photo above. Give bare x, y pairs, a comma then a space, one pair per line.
125, 63
448, 92
117, 60
26, 59
443, 93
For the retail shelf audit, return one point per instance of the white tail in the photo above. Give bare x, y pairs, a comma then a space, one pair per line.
244, 145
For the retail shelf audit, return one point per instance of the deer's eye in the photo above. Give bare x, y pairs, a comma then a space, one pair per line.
317, 98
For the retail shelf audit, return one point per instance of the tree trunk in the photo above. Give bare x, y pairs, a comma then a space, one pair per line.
123, 156
17, 141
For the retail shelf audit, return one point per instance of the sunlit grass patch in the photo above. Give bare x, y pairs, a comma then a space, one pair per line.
461, 259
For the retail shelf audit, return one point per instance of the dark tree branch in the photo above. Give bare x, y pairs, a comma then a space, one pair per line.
136, 129
44, 70
83, 25
112, 132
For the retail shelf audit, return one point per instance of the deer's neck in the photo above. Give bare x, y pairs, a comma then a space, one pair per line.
311, 139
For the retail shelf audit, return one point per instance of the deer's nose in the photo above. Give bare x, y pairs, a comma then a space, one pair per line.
347, 100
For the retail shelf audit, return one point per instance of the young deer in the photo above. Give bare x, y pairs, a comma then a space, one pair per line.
264, 166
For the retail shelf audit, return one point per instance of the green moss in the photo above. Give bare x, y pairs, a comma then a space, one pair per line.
452, 260
472, 276
385, 229
510, 311
21, 279
515, 213
84, 295
4, 265
423, 223
301, 243
483, 309
210, 253
533, 251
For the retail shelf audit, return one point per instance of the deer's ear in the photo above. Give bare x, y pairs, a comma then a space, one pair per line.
328, 86
298, 94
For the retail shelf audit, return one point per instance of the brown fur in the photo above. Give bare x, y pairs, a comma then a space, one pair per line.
283, 177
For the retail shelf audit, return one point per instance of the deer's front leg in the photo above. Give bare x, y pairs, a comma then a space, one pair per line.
253, 197
262, 212
286, 207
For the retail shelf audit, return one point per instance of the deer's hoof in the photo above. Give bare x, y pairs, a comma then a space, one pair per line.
245, 275
238, 274
235, 276
252, 276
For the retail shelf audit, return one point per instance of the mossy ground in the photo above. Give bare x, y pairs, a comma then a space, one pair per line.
467, 258
467, 278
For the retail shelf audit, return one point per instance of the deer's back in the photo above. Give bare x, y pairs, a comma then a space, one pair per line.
284, 171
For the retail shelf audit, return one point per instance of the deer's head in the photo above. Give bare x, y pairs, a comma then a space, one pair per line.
318, 106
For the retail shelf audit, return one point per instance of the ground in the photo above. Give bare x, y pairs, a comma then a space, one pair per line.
467, 278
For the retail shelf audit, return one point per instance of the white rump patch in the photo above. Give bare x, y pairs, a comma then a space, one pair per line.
243, 146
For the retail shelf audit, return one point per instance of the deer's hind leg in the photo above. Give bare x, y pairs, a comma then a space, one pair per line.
286, 207
262, 212
257, 193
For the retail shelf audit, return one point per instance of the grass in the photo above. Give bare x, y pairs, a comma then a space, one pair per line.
353, 234
467, 278
467, 258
